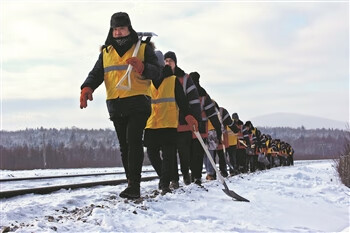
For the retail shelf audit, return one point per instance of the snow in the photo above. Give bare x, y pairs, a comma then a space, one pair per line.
306, 197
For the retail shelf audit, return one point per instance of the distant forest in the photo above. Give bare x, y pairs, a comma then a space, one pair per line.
75, 148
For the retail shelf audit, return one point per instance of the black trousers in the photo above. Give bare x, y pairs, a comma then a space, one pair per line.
196, 159
183, 145
222, 162
241, 160
232, 153
130, 131
252, 162
163, 163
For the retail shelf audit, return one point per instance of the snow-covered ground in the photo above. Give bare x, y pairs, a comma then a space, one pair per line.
307, 197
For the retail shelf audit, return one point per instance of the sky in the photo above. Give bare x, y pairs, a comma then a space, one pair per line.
254, 57
307, 197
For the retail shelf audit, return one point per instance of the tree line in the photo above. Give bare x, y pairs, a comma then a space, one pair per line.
76, 148
312, 143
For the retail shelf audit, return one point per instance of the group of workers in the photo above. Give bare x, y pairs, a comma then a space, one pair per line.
157, 105
247, 149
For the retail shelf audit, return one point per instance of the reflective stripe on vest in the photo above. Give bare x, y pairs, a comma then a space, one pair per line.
111, 68
183, 80
115, 68
165, 113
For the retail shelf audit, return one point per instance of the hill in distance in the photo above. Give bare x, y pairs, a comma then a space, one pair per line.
297, 120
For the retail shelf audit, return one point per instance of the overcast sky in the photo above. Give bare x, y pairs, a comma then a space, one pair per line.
254, 58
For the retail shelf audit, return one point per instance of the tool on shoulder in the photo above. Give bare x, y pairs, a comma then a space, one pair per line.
134, 54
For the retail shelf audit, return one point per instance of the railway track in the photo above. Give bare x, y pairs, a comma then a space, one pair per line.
53, 188
64, 176
50, 189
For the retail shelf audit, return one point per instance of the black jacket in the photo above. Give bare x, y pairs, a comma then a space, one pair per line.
209, 108
227, 120
192, 96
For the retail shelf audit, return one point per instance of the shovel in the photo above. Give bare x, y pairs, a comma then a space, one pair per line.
128, 70
228, 192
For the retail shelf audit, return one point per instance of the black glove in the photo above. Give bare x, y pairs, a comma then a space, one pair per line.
234, 128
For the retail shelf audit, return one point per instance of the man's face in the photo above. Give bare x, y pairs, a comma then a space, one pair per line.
170, 62
120, 31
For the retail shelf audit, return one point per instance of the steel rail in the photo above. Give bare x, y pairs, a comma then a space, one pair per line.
64, 176
50, 189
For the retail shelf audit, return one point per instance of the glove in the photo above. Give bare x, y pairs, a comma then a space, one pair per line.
235, 129
191, 121
86, 94
136, 63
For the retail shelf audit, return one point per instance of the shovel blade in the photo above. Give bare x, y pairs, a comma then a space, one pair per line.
234, 195
148, 34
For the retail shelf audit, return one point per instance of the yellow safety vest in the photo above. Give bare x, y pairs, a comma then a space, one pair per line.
114, 69
269, 149
210, 126
232, 137
165, 113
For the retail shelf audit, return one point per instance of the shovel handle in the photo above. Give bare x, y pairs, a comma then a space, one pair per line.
226, 189
128, 70
200, 139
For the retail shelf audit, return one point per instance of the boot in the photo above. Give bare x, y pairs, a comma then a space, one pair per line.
224, 173
187, 179
198, 181
174, 184
165, 190
132, 191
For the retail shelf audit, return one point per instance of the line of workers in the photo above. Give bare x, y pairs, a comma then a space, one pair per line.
179, 101
157, 105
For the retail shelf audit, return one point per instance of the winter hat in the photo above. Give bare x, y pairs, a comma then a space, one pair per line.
120, 19
249, 123
235, 116
195, 76
160, 57
171, 55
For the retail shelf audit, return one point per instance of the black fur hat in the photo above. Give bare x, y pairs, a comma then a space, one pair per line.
120, 19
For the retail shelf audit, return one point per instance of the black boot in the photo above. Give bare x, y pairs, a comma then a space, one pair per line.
132, 191
198, 181
174, 184
187, 179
